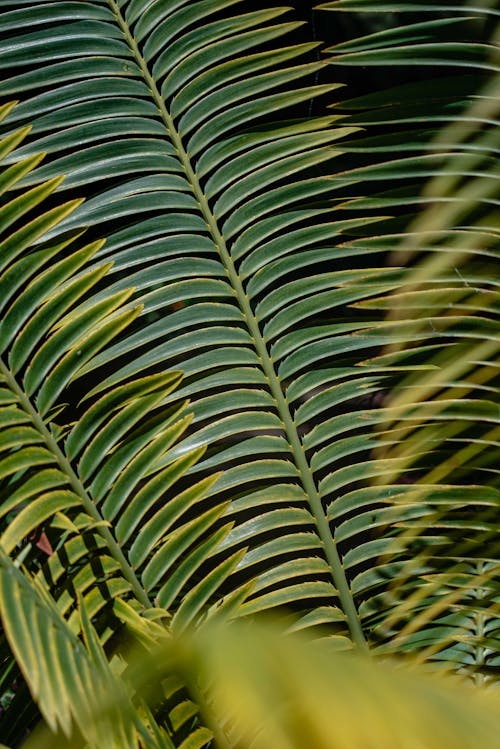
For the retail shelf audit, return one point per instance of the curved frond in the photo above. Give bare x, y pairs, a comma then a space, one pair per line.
62, 481
199, 235
59, 668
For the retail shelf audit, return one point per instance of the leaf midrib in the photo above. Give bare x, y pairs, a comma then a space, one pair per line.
307, 478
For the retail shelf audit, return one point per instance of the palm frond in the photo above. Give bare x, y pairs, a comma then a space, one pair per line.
202, 229
58, 667
441, 433
54, 471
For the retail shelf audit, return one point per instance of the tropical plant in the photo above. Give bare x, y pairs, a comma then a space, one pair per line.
241, 401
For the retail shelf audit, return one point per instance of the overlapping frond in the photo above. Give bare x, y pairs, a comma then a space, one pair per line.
59, 668
325, 699
441, 429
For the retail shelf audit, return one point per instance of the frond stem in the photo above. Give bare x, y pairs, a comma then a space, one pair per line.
307, 478
77, 486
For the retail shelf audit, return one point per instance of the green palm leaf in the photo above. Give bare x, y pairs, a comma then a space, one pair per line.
56, 663
72, 681
51, 490
205, 244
